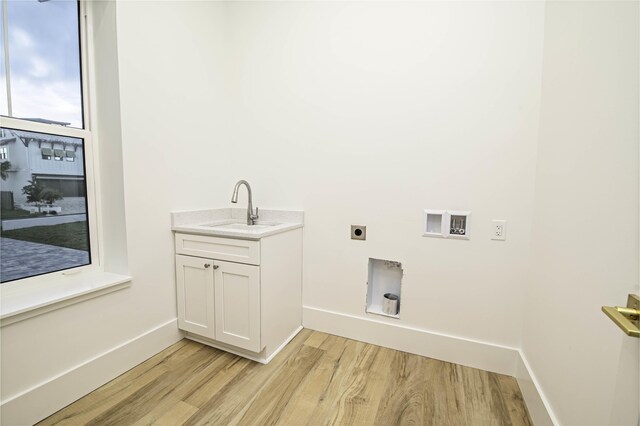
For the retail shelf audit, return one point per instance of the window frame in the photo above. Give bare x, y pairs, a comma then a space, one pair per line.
87, 135
30, 297
45, 153
58, 154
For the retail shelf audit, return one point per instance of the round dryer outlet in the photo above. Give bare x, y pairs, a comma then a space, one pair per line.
358, 232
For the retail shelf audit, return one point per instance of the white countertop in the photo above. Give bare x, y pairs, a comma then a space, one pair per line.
231, 222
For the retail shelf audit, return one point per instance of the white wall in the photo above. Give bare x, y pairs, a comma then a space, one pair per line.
49, 360
585, 234
160, 106
356, 113
171, 105
108, 127
367, 113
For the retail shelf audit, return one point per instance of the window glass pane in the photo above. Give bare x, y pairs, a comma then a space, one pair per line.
44, 61
43, 205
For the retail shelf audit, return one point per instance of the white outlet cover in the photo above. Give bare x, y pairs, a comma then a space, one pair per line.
499, 230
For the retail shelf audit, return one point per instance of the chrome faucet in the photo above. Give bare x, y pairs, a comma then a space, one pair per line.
251, 218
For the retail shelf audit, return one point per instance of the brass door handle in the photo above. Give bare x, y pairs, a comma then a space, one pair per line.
627, 318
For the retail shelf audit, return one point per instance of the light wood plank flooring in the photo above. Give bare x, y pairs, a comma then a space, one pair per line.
318, 379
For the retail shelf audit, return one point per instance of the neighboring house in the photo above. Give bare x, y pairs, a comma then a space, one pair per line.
54, 161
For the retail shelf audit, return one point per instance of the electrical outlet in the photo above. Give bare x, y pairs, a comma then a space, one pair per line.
499, 230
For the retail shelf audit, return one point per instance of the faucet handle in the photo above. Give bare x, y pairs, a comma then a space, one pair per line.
256, 215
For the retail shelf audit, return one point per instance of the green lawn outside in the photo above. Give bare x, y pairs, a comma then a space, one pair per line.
71, 235
17, 214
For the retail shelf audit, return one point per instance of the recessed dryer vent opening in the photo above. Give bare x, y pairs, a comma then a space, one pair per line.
383, 287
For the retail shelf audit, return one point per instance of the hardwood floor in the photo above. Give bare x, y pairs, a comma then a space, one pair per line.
318, 379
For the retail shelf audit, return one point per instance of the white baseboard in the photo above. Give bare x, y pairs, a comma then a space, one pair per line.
285, 343
46, 398
538, 406
458, 350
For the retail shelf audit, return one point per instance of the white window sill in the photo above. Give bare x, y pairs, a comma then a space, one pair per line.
27, 299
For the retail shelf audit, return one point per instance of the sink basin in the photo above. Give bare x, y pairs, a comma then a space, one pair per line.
232, 223
242, 226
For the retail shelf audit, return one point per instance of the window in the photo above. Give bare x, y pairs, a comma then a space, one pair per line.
45, 127
46, 152
41, 73
4, 155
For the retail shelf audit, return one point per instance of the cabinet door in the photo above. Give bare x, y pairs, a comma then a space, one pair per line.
194, 278
237, 302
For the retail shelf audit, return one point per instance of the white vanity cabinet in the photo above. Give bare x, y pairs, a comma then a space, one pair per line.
242, 296
219, 300
195, 293
237, 305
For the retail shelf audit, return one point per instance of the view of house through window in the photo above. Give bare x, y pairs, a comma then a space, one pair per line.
43, 191
44, 206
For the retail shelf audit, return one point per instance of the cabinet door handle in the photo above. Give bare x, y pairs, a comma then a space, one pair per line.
216, 266
206, 265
